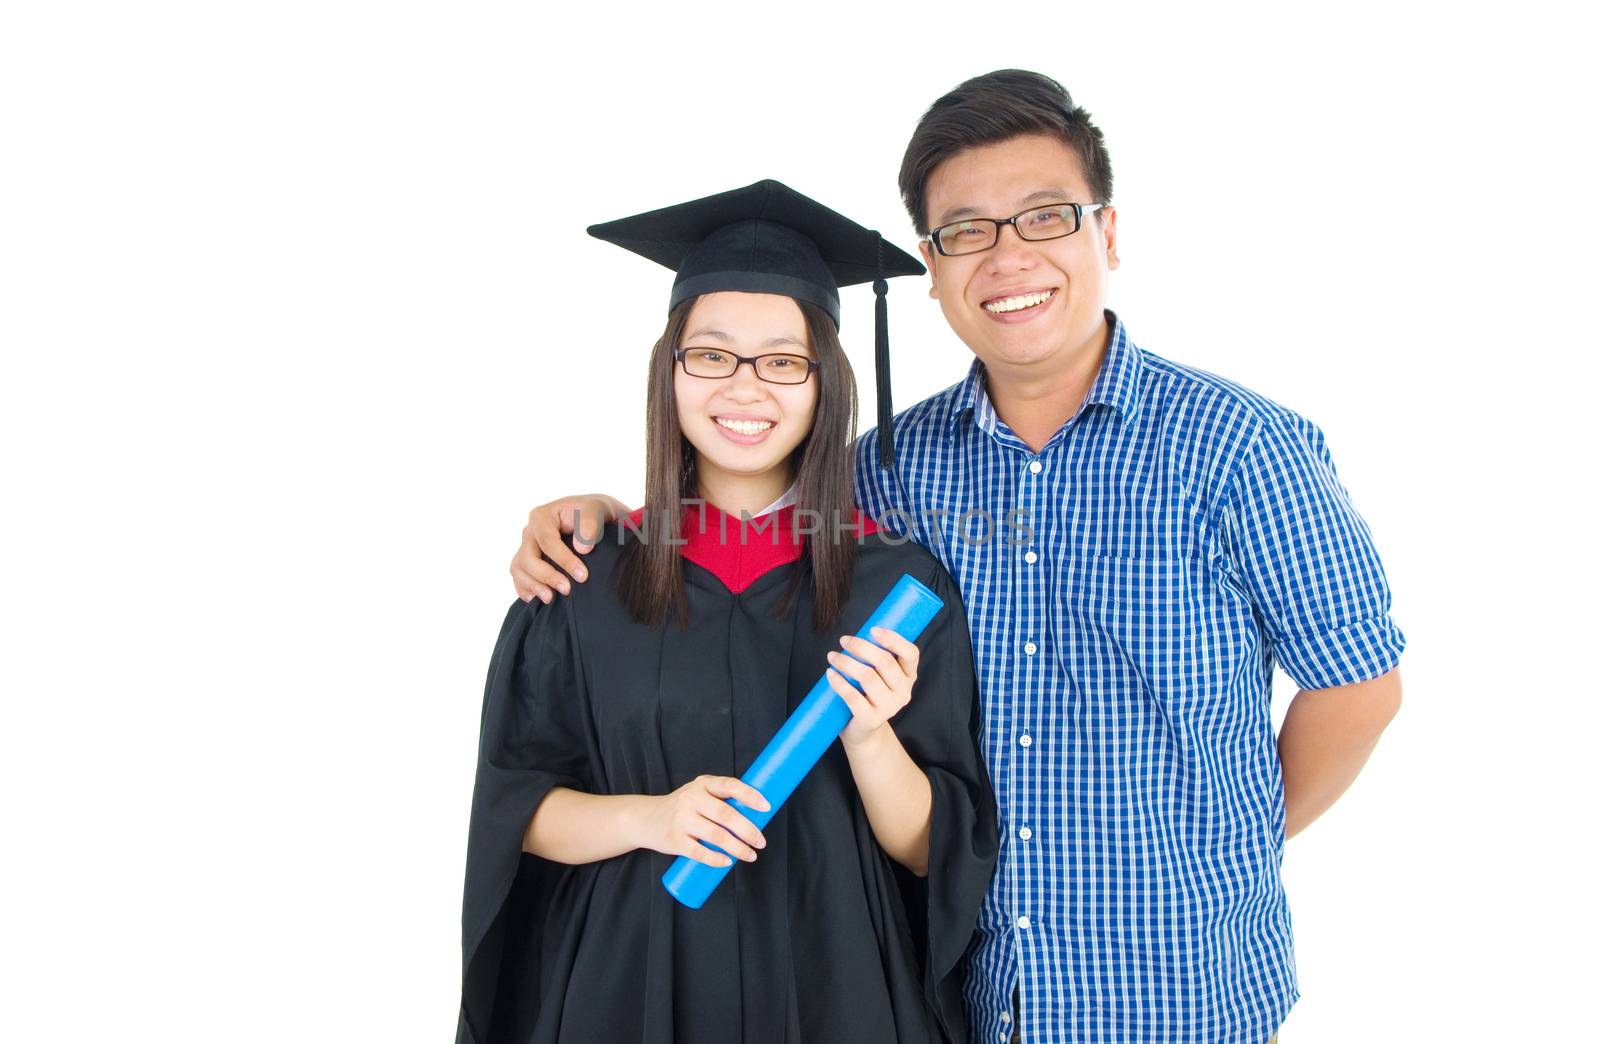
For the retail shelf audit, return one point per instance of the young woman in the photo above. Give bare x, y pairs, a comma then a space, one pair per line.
616, 720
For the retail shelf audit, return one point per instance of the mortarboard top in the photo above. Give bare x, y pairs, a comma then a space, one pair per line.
767, 238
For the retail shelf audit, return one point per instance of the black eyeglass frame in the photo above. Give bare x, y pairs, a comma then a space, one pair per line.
812, 366
1078, 210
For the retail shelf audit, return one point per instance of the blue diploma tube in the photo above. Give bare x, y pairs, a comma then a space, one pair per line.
805, 737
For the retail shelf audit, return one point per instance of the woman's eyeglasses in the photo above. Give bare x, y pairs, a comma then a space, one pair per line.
775, 369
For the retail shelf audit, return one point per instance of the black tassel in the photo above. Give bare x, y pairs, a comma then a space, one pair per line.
880, 287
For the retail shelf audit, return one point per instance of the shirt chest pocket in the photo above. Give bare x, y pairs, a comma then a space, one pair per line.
1145, 623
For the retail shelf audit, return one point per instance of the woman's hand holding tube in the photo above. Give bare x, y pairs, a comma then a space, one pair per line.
886, 677
696, 814
894, 791
572, 827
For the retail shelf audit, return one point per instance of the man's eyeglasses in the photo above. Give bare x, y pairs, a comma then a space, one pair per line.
977, 234
775, 369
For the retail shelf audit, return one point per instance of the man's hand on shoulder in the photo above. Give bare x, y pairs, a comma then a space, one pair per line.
584, 517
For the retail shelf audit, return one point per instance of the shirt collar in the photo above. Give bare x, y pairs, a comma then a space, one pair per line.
1116, 385
782, 502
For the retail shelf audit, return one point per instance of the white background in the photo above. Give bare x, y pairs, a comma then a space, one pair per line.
299, 319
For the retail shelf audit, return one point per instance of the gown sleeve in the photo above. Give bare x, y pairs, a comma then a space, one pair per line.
533, 737
940, 730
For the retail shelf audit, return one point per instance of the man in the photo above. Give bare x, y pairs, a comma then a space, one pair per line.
1137, 544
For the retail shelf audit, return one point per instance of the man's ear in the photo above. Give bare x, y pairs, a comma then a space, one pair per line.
926, 250
1108, 225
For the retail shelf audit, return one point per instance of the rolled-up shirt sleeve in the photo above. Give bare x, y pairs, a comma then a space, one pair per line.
1307, 561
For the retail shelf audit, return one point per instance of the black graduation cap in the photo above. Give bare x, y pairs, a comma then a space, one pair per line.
767, 238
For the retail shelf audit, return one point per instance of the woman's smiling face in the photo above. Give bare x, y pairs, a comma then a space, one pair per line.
742, 426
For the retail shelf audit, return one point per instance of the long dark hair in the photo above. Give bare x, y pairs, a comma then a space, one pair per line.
650, 574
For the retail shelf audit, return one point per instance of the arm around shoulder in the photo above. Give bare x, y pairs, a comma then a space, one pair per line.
584, 517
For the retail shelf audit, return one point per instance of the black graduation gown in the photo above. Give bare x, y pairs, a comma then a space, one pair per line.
823, 939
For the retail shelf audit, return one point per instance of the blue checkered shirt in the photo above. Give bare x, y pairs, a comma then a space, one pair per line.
1129, 588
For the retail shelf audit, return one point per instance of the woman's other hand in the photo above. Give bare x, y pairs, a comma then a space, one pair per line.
886, 672
696, 814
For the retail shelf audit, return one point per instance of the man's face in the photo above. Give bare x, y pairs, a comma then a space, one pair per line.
984, 296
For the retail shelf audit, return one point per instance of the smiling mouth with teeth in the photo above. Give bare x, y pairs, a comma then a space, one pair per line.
1019, 302
744, 427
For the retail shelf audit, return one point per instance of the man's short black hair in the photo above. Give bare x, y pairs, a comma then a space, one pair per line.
992, 108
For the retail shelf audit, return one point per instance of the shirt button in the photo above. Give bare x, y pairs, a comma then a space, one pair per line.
1030, 558
1026, 741
1005, 1016
1035, 467
1025, 833
1030, 648
1024, 922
